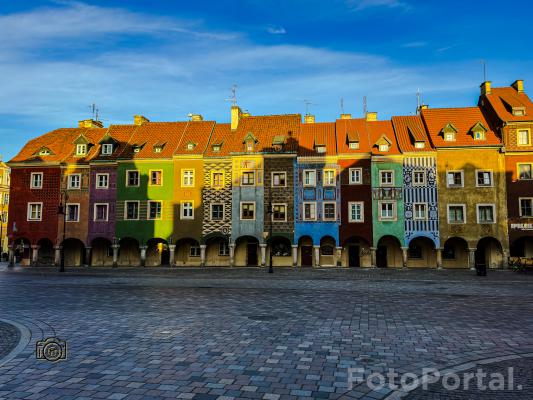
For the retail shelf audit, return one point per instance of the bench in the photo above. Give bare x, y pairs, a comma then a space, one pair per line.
521, 264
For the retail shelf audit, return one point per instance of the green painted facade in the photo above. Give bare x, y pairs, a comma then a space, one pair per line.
145, 229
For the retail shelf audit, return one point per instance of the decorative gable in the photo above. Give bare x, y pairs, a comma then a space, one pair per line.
249, 142
383, 143
449, 132
43, 151
479, 131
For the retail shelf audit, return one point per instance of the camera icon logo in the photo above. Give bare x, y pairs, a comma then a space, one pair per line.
51, 349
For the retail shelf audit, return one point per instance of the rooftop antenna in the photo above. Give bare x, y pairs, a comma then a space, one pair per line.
233, 97
364, 106
342, 105
418, 100
94, 111
307, 104
484, 64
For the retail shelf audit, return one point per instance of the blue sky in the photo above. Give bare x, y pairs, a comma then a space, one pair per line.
166, 59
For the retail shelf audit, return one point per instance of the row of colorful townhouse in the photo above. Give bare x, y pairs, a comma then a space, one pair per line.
446, 188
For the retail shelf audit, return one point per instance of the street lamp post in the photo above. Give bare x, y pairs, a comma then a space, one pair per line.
271, 217
62, 211
2, 230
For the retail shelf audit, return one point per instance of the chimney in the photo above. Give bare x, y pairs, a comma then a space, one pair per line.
245, 114
371, 116
236, 114
139, 120
196, 117
90, 123
309, 119
422, 107
518, 85
346, 116
485, 87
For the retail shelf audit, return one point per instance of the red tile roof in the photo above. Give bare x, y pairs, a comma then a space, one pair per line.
382, 130
93, 136
314, 134
198, 134
352, 130
121, 134
222, 135
410, 129
149, 134
503, 99
463, 119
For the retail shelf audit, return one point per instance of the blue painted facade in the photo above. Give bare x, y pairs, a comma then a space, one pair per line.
416, 192
318, 194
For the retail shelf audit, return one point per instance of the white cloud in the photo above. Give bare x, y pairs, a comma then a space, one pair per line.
276, 30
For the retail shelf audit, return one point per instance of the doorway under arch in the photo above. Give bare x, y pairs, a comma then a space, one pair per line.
455, 253
389, 252
73, 252
522, 247
129, 253
356, 252
421, 253
247, 251
45, 254
157, 253
101, 253
188, 252
489, 253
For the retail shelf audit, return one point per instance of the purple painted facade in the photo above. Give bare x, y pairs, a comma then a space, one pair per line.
102, 229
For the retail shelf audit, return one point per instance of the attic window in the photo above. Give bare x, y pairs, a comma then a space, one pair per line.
44, 152
81, 149
158, 149
249, 145
136, 149
420, 145
479, 135
278, 142
449, 136
353, 145
191, 146
519, 111
320, 149
384, 147
216, 147
107, 149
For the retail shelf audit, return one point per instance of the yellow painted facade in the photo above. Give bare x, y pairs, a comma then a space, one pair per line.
4, 205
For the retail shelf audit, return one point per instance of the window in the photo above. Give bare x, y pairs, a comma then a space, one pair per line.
525, 171
309, 211
329, 212
483, 178
217, 212
216, 148
6, 198
154, 210
247, 211
248, 178
102, 181
279, 212
414, 251
73, 213
386, 178
156, 178
326, 250
355, 176
81, 149
454, 178
524, 137
158, 149
329, 177
485, 213
218, 179
36, 180
132, 178
353, 145
190, 146
320, 149
526, 207
355, 212
479, 135
131, 210
187, 177
456, 213
35, 211
107, 149
223, 248
387, 211
449, 136
309, 177
3, 217
249, 145
101, 212
420, 145
279, 179
194, 250
383, 147
419, 178
74, 181
44, 152
448, 252
420, 211
187, 210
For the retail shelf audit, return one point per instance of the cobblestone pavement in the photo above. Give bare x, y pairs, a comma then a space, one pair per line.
9, 337
242, 333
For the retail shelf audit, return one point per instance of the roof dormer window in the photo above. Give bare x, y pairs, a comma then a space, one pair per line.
480, 135
449, 137
107, 149
519, 111
191, 146
449, 132
353, 145
217, 147
383, 144
250, 145
420, 145
384, 147
44, 152
158, 147
320, 148
81, 149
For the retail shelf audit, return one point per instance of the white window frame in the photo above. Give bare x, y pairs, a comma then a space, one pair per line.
528, 137
425, 218
126, 210
383, 148
382, 173
418, 171
105, 149
248, 184
66, 212
95, 206
493, 213
79, 148
303, 211
213, 173
324, 211
182, 209
272, 178
128, 177
361, 204
97, 184
148, 210
462, 178
449, 137
394, 210
463, 206
226, 247
313, 171
150, 177
286, 212
491, 177
353, 145
32, 186
482, 135
354, 171
211, 211
188, 177
240, 210
69, 181
28, 213
324, 182
520, 206
518, 171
